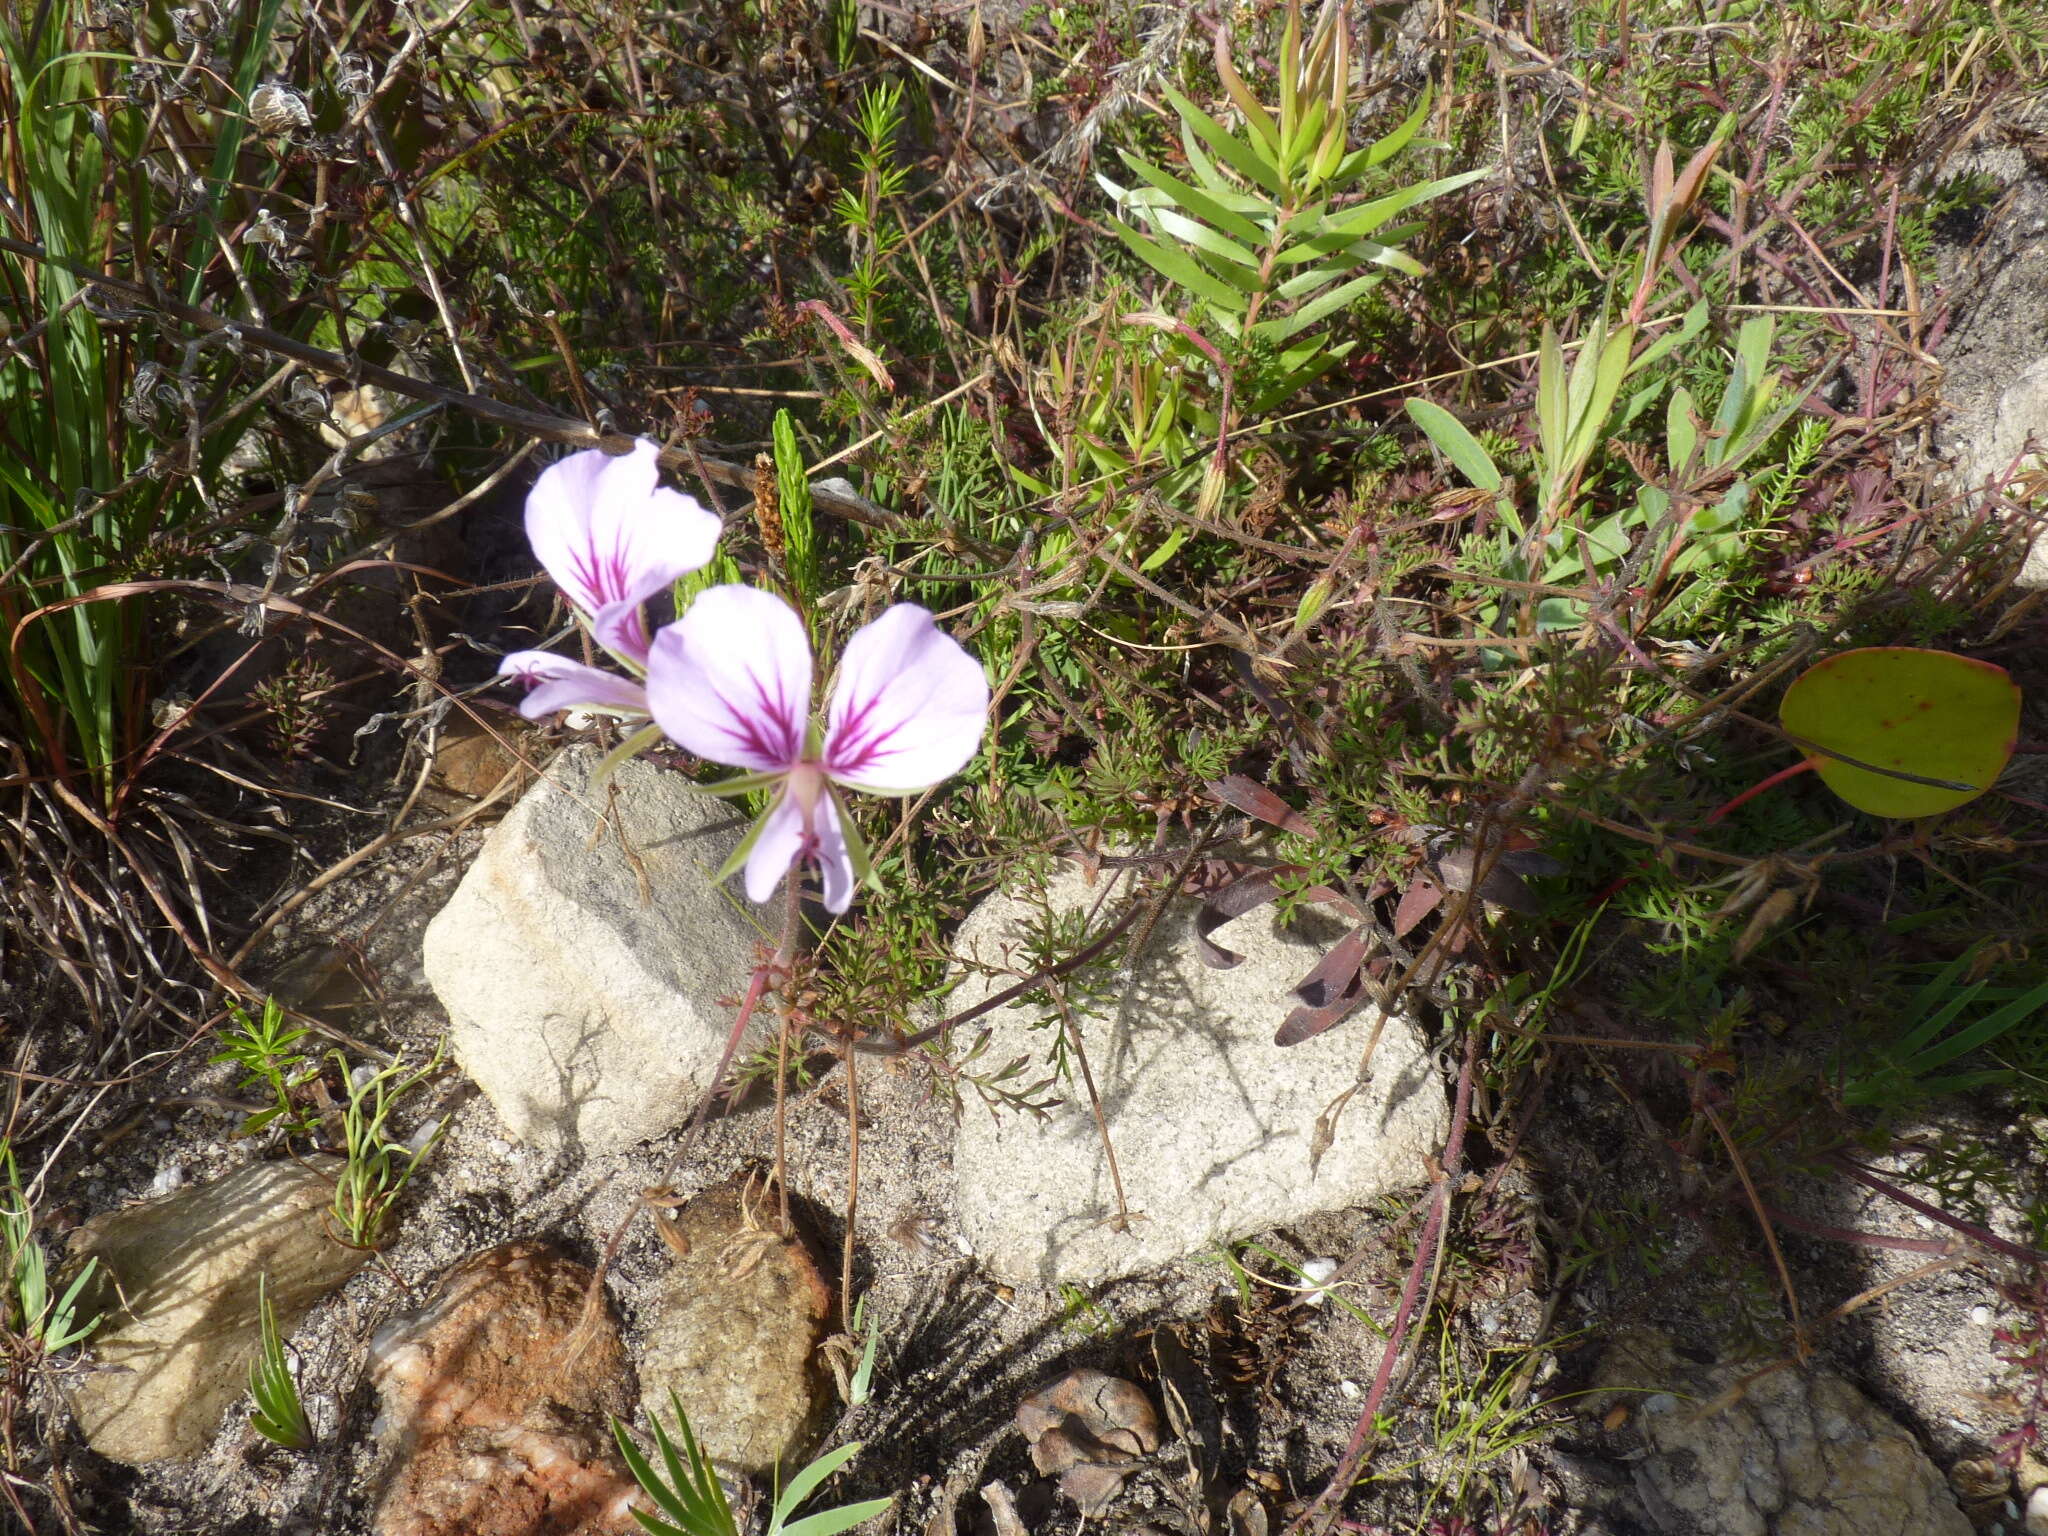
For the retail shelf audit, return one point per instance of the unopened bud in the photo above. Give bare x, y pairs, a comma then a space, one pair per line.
1214, 476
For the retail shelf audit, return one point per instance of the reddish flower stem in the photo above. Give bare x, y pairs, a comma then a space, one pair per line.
1754, 790
1426, 1245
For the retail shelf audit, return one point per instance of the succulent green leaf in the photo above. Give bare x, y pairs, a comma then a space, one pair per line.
1900, 710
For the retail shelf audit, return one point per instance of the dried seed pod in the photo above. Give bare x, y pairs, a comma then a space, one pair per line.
276, 108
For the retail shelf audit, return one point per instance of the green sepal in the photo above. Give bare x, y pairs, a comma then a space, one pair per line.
740, 784
632, 746
856, 846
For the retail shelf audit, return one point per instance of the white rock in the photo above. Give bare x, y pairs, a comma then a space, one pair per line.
1211, 1121
177, 1281
584, 1003
1315, 1279
2037, 1512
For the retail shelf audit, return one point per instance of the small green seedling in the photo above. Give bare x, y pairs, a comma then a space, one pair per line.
862, 1387
375, 1169
29, 1311
1898, 731
263, 1049
687, 1489
279, 1415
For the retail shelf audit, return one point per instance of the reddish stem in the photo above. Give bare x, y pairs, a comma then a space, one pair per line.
1426, 1244
1754, 790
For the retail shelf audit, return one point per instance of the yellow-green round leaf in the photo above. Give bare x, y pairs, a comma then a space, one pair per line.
1929, 713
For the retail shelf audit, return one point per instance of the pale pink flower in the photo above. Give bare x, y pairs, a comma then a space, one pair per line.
731, 682
612, 537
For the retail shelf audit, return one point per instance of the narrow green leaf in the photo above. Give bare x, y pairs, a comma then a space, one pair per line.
1550, 396
1290, 67
739, 855
832, 1521
1681, 430
1233, 151
1455, 443
1694, 322
1391, 144
1317, 309
1364, 218
1256, 117
1191, 232
1349, 260
1180, 268
810, 1479
632, 746
1302, 143
1218, 185
1230, 220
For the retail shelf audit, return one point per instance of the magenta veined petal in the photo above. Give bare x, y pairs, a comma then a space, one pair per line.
609, 533
778, 844
731, 680
784, 842
559, 683
908, 707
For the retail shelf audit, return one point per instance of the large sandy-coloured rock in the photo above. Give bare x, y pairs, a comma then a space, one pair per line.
177, 1284
583, 958
1211, 1121
735, 1329
496, 1407
1732, 1451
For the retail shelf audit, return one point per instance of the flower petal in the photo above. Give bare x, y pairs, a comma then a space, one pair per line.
559, 683
908, 707
835, 863
731, 680
782, 844
621, 628
608, 533
778, 844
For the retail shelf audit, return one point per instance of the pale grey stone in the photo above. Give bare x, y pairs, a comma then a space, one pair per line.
2016, 435
1212, 1123
176, 1284
583, 958
1797, 1451
1994, 379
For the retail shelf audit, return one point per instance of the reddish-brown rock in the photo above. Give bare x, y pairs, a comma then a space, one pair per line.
496, 1413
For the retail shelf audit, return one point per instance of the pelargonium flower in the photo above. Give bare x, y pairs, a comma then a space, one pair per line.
731, 682
611, 537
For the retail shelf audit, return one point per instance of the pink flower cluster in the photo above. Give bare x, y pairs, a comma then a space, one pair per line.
731, 679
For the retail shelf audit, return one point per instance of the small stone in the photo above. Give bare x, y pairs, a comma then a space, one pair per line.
1316, 1275
177, 1283
734, 1331
1350, 1389
2037, 1512
496, 1409
470, 761
1211, 1121
583, 958
1981, 1315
